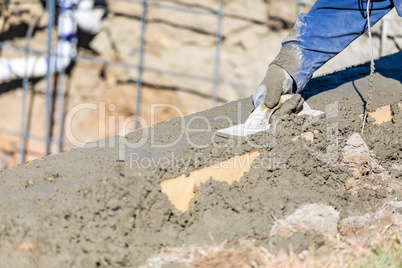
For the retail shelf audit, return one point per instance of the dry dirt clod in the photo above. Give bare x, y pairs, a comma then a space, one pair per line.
350, 183
364, 226
311, 218
358, 158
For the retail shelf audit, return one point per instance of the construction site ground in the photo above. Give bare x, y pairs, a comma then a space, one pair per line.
102, 205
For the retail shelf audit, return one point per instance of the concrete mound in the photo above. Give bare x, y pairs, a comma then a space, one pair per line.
102, 205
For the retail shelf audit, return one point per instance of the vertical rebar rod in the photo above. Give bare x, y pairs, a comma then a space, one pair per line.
137, 108
61, 75
25, 80
60, 96
218, 43
51, 7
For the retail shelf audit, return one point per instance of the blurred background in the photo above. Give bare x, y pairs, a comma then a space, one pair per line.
191, 54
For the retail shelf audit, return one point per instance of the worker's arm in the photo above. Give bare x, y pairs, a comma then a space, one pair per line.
318, 36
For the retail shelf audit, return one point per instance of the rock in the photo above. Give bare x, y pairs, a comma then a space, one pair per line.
113, 204
25, 12
285, 13
124, 8
86, 77
311, 218
350, 183
358, 158
203, 24
396, 171
125, 35
102, 44
385, 217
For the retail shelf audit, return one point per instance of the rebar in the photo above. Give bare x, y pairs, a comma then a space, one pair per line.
60, 97
25, 91
135, 66
50, 7
141, 55
367, 107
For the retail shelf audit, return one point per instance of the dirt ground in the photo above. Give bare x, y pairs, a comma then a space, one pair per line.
101, 205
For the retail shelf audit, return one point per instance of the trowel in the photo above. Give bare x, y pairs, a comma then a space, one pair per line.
260, 119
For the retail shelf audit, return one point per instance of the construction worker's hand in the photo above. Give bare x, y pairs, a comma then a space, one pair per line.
276, 83
293, 105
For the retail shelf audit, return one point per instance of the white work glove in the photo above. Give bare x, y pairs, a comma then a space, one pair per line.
276, 83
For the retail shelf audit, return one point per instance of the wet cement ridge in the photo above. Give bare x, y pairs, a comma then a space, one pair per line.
99, 210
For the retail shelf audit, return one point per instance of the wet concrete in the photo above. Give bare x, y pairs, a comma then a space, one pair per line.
101, 205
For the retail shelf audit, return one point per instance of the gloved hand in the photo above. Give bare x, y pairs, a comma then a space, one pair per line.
293, 105
276, 83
